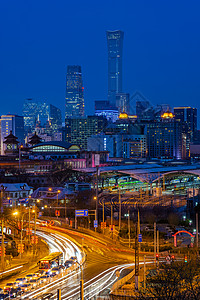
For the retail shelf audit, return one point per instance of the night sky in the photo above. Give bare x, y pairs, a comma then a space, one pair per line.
38, 39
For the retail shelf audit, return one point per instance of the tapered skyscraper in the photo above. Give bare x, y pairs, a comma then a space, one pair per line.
74, 93
115, 46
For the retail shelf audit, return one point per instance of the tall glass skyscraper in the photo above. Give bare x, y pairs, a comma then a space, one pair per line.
74, 93
36, 111
115, 46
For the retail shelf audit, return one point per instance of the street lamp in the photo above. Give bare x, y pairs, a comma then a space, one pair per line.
81, 282
58, 192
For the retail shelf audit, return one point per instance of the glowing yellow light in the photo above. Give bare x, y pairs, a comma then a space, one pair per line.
123, 116
58, 191
167, 115
50, 189
38, 200
15, 213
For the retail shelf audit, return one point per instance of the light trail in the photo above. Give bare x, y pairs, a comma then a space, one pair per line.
10, 270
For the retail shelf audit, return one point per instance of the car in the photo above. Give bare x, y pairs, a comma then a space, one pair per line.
20, 281
47, 296
74, 258
4, 296
53, 274
29, 276
44, 278
68, 263
8, 286
55, 270
34, 282
41, 272
14, 292
25, 287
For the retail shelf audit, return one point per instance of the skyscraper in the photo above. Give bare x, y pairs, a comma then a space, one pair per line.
41, 112
12, 123
115, 46
74, 93
188, 118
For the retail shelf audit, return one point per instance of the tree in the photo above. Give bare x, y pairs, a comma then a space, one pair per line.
178, 280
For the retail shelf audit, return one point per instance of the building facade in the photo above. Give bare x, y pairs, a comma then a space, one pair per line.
115, 47
74, 101
103, 108
165, 138
41, 114
122, 102
187, 116
14, 124
79, 129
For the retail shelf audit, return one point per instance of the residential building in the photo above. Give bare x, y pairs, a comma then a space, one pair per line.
115, 47
74, 101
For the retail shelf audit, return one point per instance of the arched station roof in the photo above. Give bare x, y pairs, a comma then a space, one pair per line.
148, 172
54, 147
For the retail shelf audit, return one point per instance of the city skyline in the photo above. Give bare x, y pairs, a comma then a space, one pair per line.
161, 62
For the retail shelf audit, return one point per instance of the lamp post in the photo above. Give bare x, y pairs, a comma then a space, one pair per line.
58, 192
81, 283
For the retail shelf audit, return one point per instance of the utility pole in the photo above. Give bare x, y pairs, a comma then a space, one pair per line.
120, 209
97, 183
111, 216
155, 243
129, 229
144, 272
136, 259
81, 285
157, 247
59, 294
29, 225
139, 227
35, 231
2, 246
197, 230
103, 215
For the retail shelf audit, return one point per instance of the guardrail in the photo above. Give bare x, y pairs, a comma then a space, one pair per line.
121, 281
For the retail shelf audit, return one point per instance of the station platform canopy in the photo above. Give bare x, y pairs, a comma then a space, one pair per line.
147, 172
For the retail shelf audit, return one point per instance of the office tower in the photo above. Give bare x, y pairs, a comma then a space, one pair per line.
74, 102
115, 47
40, 113
14, 124
165, 138
79, 129
103, 108
122, 102
188, 118
55, 118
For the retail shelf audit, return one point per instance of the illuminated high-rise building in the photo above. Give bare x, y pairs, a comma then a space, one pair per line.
14, 124
187, 116
115, 47
74, 105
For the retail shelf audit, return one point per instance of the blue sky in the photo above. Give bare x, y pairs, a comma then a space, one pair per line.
161, 55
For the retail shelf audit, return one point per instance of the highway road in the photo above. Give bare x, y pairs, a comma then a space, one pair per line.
99, 269
101, 260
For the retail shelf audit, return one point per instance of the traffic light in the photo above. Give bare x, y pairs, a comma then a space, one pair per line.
20, 248
186, 259
157, 256
172, 257
1, 252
